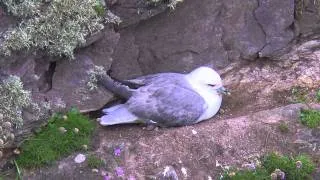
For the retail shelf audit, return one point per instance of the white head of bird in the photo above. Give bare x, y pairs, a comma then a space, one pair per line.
207, 78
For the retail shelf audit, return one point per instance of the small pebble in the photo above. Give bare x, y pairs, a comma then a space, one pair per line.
184, 172
1, 154
76, 130
95, 170
194, 132
85, 147
1, 142
80, 158
62, 129
98, 119
7, 125
232, 174
1, 117
64, 117
274, 176
16, 151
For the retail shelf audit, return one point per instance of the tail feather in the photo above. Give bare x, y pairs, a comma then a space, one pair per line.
113, 108
119, 115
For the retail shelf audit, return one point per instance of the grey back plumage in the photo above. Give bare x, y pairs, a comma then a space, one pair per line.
169, 99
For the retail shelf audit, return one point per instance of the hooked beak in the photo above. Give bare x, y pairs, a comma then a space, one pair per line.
223, 91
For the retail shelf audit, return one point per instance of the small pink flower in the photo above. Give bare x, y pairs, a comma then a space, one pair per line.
106, 177
131, 177
119, 171
117, 152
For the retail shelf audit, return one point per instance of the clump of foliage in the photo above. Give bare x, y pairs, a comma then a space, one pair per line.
318, 95
299, 94
94, 161
299, 167
259, 174
60, 137
283, 127
273, 165
310, 117
13, 99
57, 27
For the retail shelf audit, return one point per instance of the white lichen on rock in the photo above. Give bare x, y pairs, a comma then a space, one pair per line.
13, 99
170, 3
93, 73
58, 27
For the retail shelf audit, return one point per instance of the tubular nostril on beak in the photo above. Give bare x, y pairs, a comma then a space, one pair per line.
223, 90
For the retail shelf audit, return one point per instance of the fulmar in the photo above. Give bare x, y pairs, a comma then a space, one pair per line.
165, 99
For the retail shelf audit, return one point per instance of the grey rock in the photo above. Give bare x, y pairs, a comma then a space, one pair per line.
70, 84
276, 19
168, 173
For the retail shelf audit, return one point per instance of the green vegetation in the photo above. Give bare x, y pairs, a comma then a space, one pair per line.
318, 95
283, 127
299, 94
273, 166
95, 162
299, 167
310, 117
58, 27
259, 174
62, 136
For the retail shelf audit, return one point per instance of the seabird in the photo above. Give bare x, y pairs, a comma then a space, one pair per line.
165, 99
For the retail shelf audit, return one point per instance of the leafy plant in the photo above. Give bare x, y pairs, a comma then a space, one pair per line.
94, 161
283, 127
318, 95
289, 165
293, 168
310, 117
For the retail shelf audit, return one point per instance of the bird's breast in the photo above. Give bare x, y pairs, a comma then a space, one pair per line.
213, 103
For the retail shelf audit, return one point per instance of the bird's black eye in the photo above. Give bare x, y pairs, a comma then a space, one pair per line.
212, 85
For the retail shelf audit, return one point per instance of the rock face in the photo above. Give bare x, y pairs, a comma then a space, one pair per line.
221, 33
201, 32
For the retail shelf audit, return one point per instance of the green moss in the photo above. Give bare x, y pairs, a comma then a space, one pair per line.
283, 127
299, 94
95, 162
50, 143
295, 168
99, 8
310, 118
259, 174
289, 166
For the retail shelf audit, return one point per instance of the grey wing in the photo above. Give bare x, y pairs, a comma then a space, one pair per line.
168, 105
154, 78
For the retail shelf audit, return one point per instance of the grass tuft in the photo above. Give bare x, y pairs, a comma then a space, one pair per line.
295, 168
289, 165
318, 95
283, 127
310, 117
50, 144
95, 162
